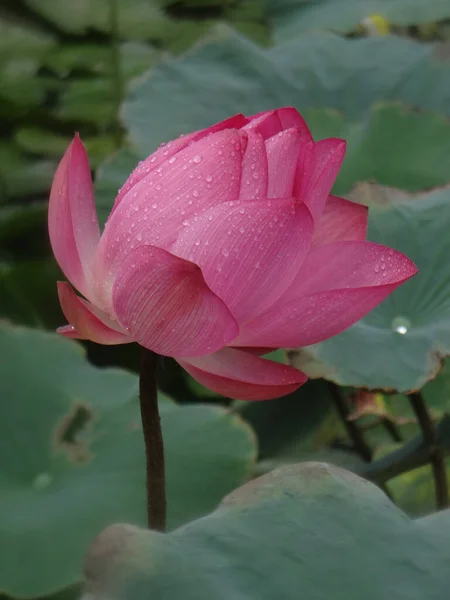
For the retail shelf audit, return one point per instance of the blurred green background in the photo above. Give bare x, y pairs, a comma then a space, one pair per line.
129, 75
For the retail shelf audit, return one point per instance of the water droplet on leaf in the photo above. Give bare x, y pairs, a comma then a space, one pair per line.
401, 325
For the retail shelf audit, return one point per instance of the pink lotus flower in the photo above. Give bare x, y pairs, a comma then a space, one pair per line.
221, 245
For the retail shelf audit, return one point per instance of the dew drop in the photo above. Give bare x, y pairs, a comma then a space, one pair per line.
185, 222
376, 269
172, 159
209, 178
154, 205
255, 175
139, 237
158, 187
195, 193
197, 159
401, 325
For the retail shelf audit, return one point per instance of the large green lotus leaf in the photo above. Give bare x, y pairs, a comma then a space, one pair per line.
400, 344
233, 75
304, 531
72, 458
384, 146
290, 17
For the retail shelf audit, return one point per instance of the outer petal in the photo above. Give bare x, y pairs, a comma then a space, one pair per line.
165, 304
337, 285
249, 252
72, 219
255, 175
205, 173
87, 322
166, 151
341, 221
282, 157
319, 165
243, 375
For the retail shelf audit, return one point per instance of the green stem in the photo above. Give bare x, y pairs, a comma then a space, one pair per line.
435, 453
353, 431
154, 445
117, 77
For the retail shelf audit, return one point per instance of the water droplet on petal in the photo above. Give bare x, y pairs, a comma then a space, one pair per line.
195, 193
401, 325
172, 159
209, 178
185, 222
197, 159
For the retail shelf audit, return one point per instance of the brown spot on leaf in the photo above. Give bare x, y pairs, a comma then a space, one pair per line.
70, 433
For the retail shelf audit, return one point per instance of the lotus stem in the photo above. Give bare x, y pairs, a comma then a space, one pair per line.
353, 431
154, 445
436, 455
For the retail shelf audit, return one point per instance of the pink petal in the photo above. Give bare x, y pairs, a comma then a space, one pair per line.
203, 174
72, 219
165, 304
249, 252
271, 122
289, 117
341, 221
319, 166
69, 331
166, 151
282, 157
266, 124
87, 322
255, 176
242, 375
337, 285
